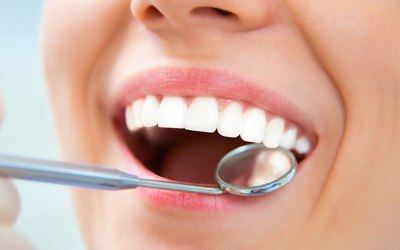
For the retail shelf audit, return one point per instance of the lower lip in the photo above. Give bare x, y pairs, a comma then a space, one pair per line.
180, 200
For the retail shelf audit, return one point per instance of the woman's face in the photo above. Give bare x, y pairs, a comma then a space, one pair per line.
318, 77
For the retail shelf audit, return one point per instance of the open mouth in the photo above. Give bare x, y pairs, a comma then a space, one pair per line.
179, 127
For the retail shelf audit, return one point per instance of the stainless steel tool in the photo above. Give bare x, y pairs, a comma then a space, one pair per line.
248, 171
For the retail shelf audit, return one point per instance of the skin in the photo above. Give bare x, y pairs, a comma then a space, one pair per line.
337, 61
9, 209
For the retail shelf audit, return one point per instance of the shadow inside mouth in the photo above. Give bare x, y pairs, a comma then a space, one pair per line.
181, 155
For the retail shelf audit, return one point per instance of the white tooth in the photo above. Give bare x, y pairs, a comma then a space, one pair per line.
269, 167
280, 164
274, 132
253, 126
202, 115
149, 112
230, 120
130, 122
172, 112
288, 140
303, 145
137, 107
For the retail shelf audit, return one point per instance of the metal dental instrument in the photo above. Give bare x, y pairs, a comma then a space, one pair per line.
247, 171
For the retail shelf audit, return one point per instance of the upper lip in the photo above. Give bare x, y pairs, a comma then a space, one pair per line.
201, 82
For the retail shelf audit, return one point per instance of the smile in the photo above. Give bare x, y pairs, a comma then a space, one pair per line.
175, 124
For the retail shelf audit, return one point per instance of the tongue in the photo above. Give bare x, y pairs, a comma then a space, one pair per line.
194, 158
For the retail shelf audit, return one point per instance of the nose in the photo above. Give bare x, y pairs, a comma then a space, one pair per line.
232, 15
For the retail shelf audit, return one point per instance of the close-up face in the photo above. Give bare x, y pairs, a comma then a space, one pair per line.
164, 88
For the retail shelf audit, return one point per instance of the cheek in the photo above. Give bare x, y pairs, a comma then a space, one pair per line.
74, 33
355, 40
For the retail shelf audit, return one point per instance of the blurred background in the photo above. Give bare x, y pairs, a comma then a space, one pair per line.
47, 216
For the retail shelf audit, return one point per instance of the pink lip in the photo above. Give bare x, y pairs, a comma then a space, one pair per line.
180, 200
195, 82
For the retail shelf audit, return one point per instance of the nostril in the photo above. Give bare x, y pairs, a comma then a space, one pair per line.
222, 12
152, 13
213, 11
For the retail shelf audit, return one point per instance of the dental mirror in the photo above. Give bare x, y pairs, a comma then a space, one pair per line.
247, 171
254, 170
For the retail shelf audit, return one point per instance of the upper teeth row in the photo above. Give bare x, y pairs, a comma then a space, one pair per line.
205, 114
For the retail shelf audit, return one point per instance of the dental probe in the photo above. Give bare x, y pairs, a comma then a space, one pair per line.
248, 170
